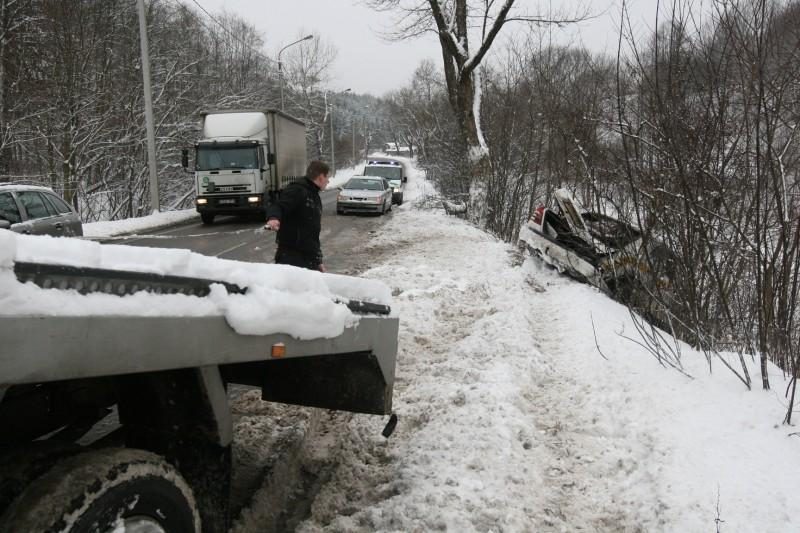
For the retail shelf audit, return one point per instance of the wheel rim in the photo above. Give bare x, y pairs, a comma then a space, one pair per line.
138, 524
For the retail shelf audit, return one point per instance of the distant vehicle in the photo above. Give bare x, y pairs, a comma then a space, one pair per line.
393, 170
365, 194
244, 160
35, 210
591, 247
395, 149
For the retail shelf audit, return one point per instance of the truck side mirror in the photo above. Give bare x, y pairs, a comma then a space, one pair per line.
185, 158
270, 158
405, 179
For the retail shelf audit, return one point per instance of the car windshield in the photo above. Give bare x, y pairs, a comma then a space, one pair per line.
223, 158
362, 184
390, 173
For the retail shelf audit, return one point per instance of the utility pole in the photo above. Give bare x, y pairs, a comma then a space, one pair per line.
148, 110
333, 157
280, 64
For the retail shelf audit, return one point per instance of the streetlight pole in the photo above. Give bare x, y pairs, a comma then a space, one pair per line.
280, 64
148, 110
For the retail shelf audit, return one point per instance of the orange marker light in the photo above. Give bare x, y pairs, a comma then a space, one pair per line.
278, 349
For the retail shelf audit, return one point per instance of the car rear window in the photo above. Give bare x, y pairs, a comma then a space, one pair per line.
8, 208
370, 185
34, 204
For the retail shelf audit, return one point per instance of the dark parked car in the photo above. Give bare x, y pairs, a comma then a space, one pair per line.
365, 194
37, 210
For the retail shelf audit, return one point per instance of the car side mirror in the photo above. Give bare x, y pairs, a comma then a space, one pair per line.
185, 158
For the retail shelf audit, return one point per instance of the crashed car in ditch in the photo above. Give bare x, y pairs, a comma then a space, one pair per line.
593, 247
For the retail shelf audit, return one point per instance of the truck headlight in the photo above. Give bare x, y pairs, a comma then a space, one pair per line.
202, 201
253, 199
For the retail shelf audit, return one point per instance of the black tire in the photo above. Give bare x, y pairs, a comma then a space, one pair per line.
102, 490
400, 202
207, 218
339, 212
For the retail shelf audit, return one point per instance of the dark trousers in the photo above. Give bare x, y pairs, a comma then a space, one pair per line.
284, 256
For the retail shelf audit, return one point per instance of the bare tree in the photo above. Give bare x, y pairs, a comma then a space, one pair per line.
459, 24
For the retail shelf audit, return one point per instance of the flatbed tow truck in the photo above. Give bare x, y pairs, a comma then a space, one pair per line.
167, 467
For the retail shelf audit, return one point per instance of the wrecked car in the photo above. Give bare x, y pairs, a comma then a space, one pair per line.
592, 247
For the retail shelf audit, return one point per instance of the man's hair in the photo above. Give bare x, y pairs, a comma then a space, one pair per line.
316, 168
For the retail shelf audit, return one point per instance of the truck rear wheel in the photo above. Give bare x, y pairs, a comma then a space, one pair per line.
106, 490
207, 218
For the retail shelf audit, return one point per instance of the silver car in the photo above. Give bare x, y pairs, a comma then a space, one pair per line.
37, 210
365, 194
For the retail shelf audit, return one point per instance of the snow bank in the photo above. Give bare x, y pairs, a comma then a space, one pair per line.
512, 420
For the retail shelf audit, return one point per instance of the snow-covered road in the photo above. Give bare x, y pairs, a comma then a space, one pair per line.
512, 420
525, 404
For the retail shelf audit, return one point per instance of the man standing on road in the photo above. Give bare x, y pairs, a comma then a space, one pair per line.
297, 217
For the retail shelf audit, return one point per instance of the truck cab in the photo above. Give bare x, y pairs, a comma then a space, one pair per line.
393, 170
244, 159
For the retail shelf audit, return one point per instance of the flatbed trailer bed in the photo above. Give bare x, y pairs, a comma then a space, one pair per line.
169, 463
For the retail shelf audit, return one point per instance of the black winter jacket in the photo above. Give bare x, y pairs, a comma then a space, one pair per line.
299, 209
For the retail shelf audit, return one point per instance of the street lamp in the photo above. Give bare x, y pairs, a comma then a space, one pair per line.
333, 157
280, 65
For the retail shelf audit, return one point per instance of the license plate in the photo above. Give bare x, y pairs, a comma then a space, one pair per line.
226, 201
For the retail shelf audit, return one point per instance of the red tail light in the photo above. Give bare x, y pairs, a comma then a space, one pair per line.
538, 215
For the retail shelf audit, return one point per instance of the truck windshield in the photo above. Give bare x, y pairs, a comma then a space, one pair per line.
223, 158
390, 173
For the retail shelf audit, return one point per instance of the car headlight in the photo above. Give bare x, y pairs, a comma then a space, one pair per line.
341, 198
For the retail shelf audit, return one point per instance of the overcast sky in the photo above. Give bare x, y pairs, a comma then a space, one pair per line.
366, 63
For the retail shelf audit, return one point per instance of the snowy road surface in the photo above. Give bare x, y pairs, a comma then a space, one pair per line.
511, 419
525, 404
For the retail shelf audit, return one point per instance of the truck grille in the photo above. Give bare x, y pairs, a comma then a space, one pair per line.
227, 188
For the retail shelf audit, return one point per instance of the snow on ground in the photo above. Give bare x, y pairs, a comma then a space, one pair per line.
131, 225
512, 420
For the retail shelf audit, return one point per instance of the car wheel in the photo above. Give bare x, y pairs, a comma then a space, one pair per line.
207, 218
103, 490
400, 201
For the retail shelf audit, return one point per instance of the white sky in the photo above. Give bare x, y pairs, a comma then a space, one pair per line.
368, 64
510, 419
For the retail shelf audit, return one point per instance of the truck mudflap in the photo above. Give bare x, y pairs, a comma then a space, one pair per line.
353, 371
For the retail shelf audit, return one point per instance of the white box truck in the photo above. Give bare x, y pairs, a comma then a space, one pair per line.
244, 159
